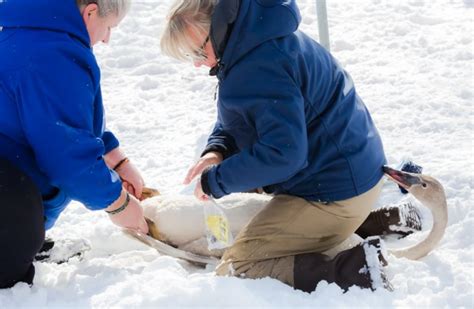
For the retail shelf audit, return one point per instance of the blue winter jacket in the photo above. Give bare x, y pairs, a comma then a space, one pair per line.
51, 112
289, 117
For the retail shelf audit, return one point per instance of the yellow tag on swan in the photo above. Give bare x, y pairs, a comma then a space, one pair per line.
218, 233
219, 227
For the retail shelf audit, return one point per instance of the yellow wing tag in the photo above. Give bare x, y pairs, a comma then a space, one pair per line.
218, 232
219, 228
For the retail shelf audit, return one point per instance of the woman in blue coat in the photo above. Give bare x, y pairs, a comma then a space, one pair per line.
54, 147
291, 123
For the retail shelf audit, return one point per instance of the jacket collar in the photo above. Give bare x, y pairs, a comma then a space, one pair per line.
54, 15
239, 26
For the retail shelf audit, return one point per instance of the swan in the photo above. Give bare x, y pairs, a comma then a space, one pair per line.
177, 223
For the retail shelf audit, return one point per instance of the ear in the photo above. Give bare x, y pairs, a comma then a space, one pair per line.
89, 11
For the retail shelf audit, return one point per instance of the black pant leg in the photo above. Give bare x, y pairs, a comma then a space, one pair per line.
21, 225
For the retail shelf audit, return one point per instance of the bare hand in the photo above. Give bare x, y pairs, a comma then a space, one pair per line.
131, 217
199, 193
131, 178
210, 158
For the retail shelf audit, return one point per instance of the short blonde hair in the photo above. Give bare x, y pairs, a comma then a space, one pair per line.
183, 16
106, 7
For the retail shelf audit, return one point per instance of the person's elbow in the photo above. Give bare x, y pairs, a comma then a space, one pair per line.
290, 158
297, 155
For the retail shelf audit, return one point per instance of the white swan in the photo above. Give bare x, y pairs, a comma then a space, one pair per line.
179, 221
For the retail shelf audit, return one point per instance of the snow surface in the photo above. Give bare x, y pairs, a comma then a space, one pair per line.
412, 64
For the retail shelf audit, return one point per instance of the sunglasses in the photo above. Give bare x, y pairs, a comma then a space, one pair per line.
200, 54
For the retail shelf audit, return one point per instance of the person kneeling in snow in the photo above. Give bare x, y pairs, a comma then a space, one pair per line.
289, 121
53, 146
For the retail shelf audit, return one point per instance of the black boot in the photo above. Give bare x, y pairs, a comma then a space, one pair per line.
361, 266
45, 250
62, 250
403, 219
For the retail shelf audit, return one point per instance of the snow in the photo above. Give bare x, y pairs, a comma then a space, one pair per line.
411, 62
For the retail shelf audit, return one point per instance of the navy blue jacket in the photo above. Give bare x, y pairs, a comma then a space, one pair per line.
51, 112
289, 117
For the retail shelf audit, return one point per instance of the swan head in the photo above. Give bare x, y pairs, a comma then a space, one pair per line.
424, 188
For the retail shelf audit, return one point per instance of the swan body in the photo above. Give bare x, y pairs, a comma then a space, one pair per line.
180, 220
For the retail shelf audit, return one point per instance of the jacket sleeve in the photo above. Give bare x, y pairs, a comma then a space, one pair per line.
267, 98
220, 141
62, 116
110, 141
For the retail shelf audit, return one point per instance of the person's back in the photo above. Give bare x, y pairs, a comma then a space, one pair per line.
345, 151
52, 115
35, 60
54, 147
298, 124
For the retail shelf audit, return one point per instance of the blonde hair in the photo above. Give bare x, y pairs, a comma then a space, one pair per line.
106, 7
185, 16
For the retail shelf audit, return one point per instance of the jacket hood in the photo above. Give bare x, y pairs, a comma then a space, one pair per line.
54, 15
238, 26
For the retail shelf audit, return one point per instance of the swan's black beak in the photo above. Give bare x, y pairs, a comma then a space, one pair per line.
406, 180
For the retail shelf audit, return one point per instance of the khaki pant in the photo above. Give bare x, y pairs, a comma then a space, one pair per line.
289, 226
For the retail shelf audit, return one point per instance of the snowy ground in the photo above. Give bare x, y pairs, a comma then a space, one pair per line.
412, 64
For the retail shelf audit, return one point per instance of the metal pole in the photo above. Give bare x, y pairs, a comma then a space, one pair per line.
323, 23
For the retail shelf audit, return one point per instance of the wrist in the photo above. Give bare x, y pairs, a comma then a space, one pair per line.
120, 163
118, 202
217, 150
204, 181
114, 157
209, 184
215, 156
122, 207
218, 155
